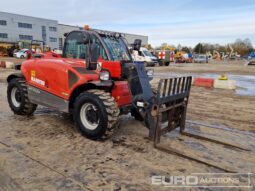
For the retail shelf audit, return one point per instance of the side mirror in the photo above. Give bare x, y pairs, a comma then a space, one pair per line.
137, 44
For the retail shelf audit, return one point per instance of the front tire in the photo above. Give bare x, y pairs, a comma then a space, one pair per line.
18, 97
95, 111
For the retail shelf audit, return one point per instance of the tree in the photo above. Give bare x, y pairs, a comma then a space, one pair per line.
242, 47
199, 48
179, 47
149, 47
165, 46
186, 49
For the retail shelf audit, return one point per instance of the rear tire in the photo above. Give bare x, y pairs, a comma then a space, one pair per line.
18, 97
95, 111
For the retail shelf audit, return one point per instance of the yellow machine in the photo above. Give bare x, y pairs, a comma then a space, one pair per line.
223, 77
182, 57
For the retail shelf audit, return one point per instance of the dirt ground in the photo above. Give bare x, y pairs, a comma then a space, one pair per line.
12, 59
46, 152
218, 67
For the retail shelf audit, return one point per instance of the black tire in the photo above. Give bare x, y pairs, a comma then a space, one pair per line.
24, 107
22, 57
107, 112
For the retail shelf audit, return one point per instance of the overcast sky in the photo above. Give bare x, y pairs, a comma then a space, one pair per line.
173, 21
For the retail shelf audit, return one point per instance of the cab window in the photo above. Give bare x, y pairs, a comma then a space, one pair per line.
75, 47
97, 49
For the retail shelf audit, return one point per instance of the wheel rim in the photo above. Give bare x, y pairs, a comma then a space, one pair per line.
16, 97
89, 116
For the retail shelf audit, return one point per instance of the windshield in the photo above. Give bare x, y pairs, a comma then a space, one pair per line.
117, 48
147, 53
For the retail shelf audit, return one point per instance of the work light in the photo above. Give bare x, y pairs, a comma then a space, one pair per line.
104, 75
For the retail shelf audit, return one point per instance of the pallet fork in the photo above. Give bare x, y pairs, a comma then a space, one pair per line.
166, 111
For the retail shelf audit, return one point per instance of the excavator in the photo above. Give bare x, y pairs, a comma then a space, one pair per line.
96, 80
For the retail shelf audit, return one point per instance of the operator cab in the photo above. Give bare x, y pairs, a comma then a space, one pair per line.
91, 45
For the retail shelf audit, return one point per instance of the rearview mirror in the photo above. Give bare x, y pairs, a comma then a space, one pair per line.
137, 44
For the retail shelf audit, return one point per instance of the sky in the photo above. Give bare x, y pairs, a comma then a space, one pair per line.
165, 21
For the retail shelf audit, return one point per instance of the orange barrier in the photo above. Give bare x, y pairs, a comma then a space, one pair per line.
2, 64
204, 82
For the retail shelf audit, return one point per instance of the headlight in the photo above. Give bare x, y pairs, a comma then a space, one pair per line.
150, 72
104, 75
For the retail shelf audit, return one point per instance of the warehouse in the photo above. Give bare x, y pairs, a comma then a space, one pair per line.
16, 28
19, 28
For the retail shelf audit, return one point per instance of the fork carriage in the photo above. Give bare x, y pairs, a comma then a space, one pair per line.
169, 110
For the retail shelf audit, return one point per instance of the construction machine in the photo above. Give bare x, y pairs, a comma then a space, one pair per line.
96, 80
183, 57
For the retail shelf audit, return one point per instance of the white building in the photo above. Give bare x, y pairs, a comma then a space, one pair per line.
16, 28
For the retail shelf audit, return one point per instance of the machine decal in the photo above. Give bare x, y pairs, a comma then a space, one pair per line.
36, 80
65, 94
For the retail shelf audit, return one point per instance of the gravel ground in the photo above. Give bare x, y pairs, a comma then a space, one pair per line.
46, 152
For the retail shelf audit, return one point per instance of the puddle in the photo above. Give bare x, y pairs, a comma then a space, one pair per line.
245, 83
220, 127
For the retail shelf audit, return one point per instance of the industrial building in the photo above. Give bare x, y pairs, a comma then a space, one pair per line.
19, 28
16, 28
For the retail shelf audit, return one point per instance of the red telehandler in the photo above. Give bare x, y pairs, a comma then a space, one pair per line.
96, 80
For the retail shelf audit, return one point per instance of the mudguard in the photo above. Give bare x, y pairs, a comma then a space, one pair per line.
15, 75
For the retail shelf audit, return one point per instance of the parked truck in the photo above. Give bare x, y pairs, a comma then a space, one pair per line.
164, 56
144, 55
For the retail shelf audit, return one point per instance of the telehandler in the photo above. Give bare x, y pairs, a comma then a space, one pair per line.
96, 80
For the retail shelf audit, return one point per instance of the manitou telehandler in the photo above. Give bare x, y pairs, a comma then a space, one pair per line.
96, 80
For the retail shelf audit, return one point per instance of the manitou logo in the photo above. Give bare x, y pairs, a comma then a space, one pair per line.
38, 81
